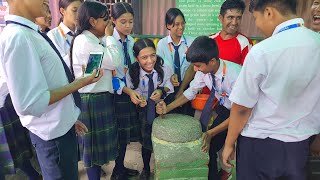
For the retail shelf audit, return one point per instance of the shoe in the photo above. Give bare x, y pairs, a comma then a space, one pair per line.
225, 175
145, 175
131, 172
118, 176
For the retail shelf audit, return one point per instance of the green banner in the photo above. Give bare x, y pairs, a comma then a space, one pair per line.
202, 16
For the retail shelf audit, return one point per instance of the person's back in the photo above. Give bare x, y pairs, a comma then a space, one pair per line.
290, 76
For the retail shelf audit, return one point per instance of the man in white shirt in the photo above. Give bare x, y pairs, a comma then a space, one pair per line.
43, 91
276, 100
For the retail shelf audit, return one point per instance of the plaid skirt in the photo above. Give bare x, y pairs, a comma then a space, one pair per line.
99, 145
127, 119
146, 129
15, 144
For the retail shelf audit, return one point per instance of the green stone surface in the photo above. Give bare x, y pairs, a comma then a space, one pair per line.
176, 128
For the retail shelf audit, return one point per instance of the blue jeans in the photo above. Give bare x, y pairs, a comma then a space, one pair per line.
58, 157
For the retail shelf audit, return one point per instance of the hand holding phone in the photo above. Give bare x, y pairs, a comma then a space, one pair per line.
94, 62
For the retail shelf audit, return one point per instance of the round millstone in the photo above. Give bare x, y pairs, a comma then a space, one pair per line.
176, 128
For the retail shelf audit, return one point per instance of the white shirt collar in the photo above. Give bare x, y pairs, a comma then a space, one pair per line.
218, 74
116, 35
171, 41
65, 29
144, 73
91, 36
22, 20
287, 23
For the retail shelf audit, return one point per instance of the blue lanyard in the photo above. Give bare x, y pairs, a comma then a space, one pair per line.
184, 56
222, 94
292, 26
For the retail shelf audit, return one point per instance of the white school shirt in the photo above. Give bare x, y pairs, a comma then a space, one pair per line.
120, 69
144, 81
201, 80
280, 81
32, 69
4, 91
163, 50
60, 42
87, 42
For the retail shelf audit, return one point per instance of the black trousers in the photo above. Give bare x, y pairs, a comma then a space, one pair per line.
270, 159
217, 142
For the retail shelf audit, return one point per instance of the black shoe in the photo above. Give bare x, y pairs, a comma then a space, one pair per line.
145, 175
130, 172
118, 176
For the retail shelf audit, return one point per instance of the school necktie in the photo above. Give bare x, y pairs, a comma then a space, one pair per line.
151, 105
127, 61
207, 109
177, 61
76, 95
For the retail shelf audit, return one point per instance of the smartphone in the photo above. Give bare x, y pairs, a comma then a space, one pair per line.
94, 62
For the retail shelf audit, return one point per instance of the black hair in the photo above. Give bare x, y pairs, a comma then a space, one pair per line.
120, 8
203, 49
87, 10
232, 4
64, 4
134, 70
171, 16
284, 7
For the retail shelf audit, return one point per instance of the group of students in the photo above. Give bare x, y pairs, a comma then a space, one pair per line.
45, 91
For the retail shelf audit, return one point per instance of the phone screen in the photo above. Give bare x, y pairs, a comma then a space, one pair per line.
94, 62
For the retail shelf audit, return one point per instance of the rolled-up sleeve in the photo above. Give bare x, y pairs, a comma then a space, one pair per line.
195, 86
246, 90
26, 81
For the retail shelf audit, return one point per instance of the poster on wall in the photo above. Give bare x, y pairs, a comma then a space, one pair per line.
4, 10
202, 16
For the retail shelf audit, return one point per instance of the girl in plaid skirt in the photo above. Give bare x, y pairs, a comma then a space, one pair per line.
100, 144
149, 80
125, 110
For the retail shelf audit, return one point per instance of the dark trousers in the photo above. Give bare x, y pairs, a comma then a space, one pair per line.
217, 142
185, 109
270, 159
57, 157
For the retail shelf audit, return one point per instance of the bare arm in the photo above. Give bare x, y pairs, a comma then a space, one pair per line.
186, 80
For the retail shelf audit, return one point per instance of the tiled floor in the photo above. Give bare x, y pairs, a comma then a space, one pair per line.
133, 160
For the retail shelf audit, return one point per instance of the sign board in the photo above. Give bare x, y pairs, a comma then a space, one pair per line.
202, 16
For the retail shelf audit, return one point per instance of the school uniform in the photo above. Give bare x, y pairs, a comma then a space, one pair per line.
279, 82
146, 127
221, 85
174, 55
14, 138
61, 37
99, 145
41, 69
125, 110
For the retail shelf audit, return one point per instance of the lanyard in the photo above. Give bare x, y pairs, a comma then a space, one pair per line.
223, 93
64, 35
292, 26
184, 57
125, 69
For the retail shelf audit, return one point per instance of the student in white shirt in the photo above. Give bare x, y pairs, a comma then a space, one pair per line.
100, 144
44, 93
276, 100
173, 49
219, 76
44, 22
149, 77
125, 110
62, 35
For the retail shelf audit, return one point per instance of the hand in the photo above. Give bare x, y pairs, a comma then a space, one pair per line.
143, 102
156, 95
161, 108
135, 97
206, 139
179, 93
108, 31
228, 155
81, 129
92, 78
174, 80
